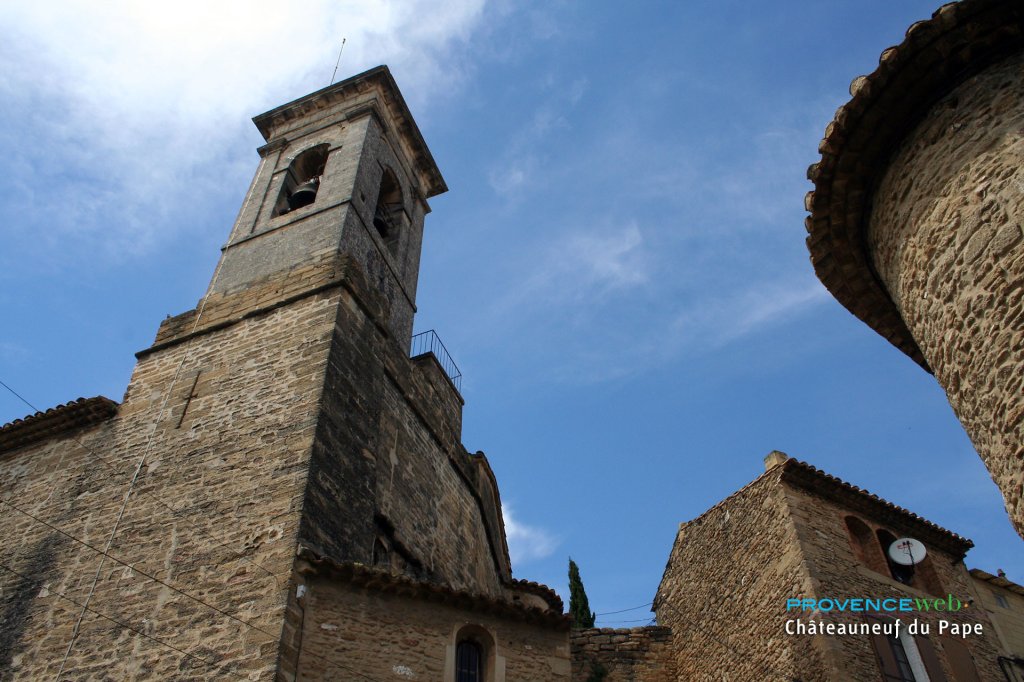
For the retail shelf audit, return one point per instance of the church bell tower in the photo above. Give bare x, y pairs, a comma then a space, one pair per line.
295, 365
344, 172
282, 482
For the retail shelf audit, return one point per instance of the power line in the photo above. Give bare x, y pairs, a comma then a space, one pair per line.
177, 513
636, 620
117, 622
634, 608
182, 592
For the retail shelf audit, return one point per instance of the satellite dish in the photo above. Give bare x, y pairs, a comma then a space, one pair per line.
907, 551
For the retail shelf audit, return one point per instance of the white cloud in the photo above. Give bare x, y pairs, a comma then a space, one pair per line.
611, 261
518, 165
526, 543
698, 326
759, 307
508, 179
13, 352
135, 112
585, 264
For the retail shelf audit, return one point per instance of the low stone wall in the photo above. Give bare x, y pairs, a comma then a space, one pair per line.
624, 655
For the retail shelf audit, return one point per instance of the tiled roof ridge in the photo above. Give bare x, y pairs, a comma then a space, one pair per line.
936, 55
791, 466
74, 414
381, 580
788, 470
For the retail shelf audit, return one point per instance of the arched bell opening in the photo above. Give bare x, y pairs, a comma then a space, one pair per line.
865, 545
387, 216
302, 180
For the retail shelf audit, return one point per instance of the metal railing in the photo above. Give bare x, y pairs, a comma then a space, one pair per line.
430, 342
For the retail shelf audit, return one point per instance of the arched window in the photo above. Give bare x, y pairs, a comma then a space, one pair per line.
469, 661
387, 216
921, 575
473, 655
864, 545
903, 657
302, 179
899, 572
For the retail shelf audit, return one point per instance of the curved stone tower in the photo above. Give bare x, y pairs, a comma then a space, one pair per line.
917, 210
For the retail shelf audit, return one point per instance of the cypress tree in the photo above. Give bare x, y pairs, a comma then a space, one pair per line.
579, 606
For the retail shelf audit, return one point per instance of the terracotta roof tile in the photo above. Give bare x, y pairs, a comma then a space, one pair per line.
385, 581
542, 591
76, 414
815, 480
959, 40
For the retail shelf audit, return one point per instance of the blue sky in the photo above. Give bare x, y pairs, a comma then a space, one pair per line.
618, 268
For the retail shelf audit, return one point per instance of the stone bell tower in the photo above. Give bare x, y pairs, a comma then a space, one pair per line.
345, 171
278, 459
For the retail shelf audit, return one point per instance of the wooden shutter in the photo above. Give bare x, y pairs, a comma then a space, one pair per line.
883, 653
960, 660
930, 659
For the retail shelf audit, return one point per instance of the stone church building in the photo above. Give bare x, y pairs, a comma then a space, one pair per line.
283, 494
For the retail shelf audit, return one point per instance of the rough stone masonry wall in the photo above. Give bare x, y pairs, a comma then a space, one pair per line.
623, 655
217, 499
838, 573
390, 637
946, 236
386, 487
725, 588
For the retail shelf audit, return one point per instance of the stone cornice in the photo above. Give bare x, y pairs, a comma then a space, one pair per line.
960, 39
997, 580
395, 110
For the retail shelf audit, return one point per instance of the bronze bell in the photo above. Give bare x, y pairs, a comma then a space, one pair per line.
304, 194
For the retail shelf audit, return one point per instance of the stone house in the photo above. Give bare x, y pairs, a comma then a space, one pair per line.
1003, 601
751, 589
736, 588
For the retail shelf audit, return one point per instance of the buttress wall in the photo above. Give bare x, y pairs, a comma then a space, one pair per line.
390, 484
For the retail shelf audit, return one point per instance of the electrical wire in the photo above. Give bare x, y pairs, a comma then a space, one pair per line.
117, 622
185, 356
634, 608
177, 513
106, 554
637, 620
152, 578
